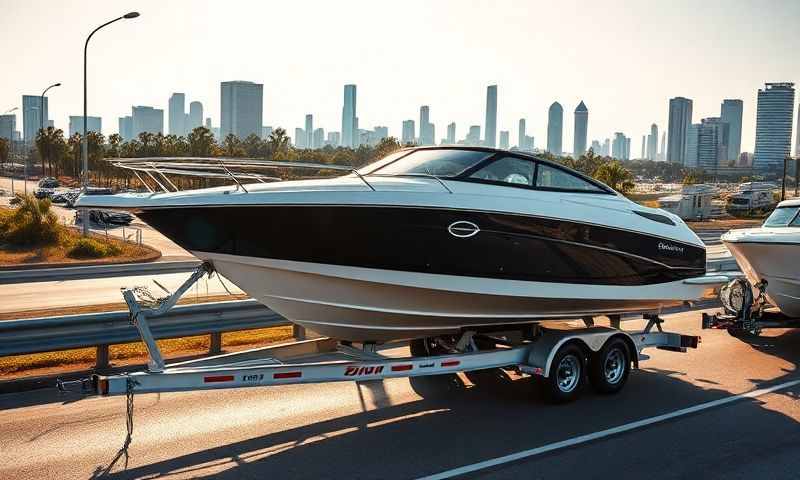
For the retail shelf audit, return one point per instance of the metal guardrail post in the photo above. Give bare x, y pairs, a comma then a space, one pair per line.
298, 332
216, 343
102, 359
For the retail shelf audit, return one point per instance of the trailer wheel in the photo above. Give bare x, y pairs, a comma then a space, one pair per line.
567, 374
610, 367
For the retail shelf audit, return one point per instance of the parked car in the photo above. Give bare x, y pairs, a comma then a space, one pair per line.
46, 187
72, 196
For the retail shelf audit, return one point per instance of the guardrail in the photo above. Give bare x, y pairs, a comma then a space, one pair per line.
100, 330
94, 271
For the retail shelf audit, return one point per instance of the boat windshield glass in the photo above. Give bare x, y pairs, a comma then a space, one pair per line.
783, 217
438, 162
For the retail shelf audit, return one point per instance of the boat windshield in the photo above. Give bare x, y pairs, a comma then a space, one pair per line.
438, 162
784, 217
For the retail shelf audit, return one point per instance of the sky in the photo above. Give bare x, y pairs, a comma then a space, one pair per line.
624, 59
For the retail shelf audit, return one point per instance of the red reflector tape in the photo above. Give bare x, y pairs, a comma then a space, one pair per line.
401, 368
451, 363
218, 378
288, 375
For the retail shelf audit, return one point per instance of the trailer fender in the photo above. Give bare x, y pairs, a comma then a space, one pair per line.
590, 339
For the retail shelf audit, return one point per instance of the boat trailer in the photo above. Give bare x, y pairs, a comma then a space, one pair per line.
746, 314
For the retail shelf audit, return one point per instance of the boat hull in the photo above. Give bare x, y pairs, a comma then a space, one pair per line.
777, 263
363, 304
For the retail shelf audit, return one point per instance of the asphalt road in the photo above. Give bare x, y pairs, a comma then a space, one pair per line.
16, 297
411, 429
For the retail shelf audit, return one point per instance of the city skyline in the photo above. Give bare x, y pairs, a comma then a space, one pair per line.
390, 92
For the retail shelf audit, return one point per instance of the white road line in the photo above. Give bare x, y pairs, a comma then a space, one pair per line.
604, 433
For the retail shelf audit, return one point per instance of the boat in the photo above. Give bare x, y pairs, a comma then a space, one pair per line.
425, 242
771, 253
694, 202
751, 198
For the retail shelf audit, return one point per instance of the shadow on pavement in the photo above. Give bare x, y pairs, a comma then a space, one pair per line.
457, 423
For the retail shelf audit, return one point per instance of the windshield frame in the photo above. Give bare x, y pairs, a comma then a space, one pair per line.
788, 224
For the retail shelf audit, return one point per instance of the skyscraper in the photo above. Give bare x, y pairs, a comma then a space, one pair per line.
126, 128
504, 139
266, 131
712, 149
195, 116
147, 119
409, 135
334, 139
32, 116
309, 131
521, 134
555, 124
93, 124
473, 135
620, 147
241, 108
797, 136
581, 130
596, 147
451, 134
427, 134
773, 125
663, 149
300, 138
349, 123
490, 131
731, 113
692, 146
318, 138
177, 114
208, 123
8, 124
652, 143
644, 148
680, 117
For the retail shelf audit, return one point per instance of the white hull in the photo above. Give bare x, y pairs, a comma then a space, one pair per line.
778, 264
363, 304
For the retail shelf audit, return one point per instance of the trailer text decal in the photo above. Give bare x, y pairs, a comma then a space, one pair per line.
358, 371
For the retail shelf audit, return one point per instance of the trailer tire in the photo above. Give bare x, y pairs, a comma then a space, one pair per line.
567, 375
610, 367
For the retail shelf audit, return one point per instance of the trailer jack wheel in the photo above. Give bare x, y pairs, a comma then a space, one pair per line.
609, 368
567, 375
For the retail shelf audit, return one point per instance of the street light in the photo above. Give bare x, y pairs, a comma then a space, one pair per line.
41, 128
84, 140
11, 147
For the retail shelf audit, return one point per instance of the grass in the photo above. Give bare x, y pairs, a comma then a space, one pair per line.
30, 234
133, 353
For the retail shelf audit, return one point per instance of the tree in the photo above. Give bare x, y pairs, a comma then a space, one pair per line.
201, 142
253, 146
615, 176
51, 146
114, 141
74, 153
4, 151
385, 147
232, 146
278, 142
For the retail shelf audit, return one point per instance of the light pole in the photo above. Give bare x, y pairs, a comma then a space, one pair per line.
41, 129
84, 140
11, 149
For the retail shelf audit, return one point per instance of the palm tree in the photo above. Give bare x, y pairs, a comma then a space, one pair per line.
615, 176
278, 141
3, 151
232, 146
201, 142
50, 143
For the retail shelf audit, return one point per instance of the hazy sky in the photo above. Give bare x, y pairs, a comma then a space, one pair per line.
625, 59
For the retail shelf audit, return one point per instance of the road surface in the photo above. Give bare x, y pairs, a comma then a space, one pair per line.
410, 429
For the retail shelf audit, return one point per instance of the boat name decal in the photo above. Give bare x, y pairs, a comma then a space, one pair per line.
358, 371
671, 248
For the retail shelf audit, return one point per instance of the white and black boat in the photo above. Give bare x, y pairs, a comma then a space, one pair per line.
426, 242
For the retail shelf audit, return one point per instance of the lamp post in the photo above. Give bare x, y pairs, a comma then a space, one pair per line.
41, 129
84, 140
11, 149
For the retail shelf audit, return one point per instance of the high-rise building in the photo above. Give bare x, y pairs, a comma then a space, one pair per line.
93, 124
596, 147
32, 116
451, 134
731, 113
644, 146
581, 130
318, 139
408, 136
663, 149
349, 122
473, 135
712, 147
555, 127
266, 131
177, 114
426, 130
8, 125
607, 147
195, 116
773, 125
208, 123
504, 139
147, 119
242, 108
309, 131
490, 131
692, 146
300, 138
680, 117
797, 136
521, 134
652, 143
621, 147
126, 128
334, 139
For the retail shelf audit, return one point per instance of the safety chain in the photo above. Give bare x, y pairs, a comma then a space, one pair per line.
130, 383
